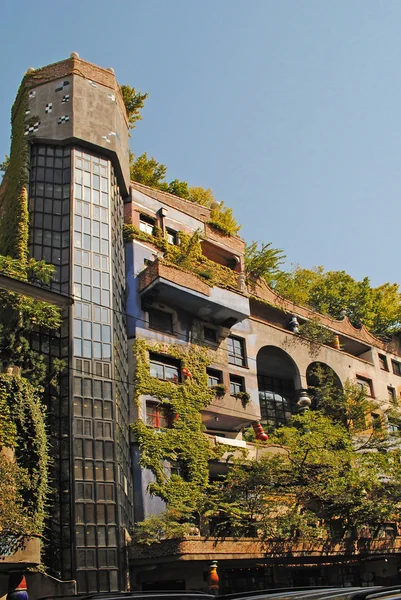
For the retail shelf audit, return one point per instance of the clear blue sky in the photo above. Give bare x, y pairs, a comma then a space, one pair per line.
289, 110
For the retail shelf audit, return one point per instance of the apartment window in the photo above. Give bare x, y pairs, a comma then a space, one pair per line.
210, 334
160, 320
392, 397
365, 384
236, 351
396, 367
146, 224
171, 237
237, 385
214, 377
164, 367
392, 426
156, 415
383, 362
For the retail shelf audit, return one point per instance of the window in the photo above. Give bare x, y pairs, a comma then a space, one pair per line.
237, 385
365, 384
214, 377
383, 362
164, 367
210, 334
160, 320
156, 415
146, 224
236, 351
171, 237
392, 427
396, 367
391, 394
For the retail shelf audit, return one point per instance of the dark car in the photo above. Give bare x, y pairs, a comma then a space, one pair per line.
321, 593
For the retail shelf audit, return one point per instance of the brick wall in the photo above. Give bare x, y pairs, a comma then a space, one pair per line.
183, 278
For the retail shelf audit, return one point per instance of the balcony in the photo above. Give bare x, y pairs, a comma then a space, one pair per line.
169, 284
241, 449
202, 548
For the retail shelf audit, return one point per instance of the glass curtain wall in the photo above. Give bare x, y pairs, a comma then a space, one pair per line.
99, 379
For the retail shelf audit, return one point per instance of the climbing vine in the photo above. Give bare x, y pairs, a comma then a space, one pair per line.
183, 445
24, 469
25, 480
13, 192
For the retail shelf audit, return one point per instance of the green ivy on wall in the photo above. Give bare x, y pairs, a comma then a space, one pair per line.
13, 194
184, 444
25, 484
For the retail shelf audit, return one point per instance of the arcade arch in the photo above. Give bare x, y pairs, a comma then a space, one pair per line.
278, 379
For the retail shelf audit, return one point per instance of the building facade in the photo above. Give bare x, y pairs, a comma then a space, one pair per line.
79, 196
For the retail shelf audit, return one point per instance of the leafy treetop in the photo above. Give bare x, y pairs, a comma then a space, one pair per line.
331, 292
134, 101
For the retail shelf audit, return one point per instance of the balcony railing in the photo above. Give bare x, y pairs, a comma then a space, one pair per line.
168, 283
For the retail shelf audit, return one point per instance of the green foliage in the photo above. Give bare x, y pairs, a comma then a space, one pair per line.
134, 101
319, 487
331, 292
188, 256
201, 196
263, 262
323, 484
245, 398
19, 315
130, 232
179, 188
222, 219
315, 335
219, 390
13, 194
183, 444
148, 171
156, 528
24, 488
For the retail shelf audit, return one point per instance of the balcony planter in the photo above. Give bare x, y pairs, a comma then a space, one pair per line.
219, 390
244, 397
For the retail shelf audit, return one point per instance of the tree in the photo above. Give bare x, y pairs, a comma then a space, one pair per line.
333, 292
134, 101
323, 484
202, 196
262, 262
148, 171
222, 218
179, 188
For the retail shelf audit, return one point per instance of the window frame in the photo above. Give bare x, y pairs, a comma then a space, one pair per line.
365, 383
392, 394
237, 380
160, 413
235, 356
173, 234
147, 221
396, 366
152, 310
165, 361
383, 362
215, 374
